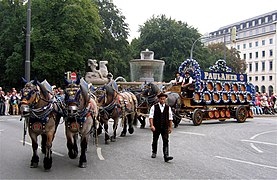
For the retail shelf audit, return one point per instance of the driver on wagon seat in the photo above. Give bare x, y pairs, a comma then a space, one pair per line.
187, 81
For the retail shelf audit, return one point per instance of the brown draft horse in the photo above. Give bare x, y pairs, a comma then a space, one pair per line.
116, 105
80, 117
40, 111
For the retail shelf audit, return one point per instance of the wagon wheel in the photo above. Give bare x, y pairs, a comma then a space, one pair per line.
197, 117
241, 114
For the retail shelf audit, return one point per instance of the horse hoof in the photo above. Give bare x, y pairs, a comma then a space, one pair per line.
107, 142
72, 155
142, 127
123, 134
47, 163
34, 165
113, 139
82, 165
131, 130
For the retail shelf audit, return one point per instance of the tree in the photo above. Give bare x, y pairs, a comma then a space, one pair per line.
12, 42
64, 35
170, 40
233, 60
113, 45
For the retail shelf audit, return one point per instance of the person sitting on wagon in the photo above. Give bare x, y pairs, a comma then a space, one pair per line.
178, 79
187, 81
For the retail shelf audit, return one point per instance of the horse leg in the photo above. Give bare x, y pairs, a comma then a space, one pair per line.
115, 124
130, 118
72, 145
142, 121
107, 137
35, 158
124, 131
47, 161
43, 143
83, 158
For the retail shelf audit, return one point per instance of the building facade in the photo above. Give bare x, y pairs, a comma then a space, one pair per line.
256, 39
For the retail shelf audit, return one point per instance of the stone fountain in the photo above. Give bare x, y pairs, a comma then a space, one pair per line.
147, 68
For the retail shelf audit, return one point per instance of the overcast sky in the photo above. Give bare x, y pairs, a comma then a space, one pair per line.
205, 15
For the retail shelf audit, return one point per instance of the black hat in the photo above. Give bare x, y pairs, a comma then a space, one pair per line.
162, 95
187, 72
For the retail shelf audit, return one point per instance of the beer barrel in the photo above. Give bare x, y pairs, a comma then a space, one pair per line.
241, 97
210, 86
234, 97
248, 97
218, 86
207, 98
235, 87
225, 96
197, 97
242, 87
227, 87
216, 97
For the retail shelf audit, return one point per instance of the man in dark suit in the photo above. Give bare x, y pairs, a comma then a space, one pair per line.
160, 119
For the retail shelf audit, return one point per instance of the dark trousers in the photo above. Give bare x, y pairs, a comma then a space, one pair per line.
164, 134
2, 108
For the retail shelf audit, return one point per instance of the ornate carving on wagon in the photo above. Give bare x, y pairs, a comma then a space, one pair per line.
220, 66
97, 76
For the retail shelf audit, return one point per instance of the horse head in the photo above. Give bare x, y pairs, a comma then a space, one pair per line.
31, 94
72, 98
151, 89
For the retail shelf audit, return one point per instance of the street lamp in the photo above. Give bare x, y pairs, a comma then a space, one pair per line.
191, 50
27, 61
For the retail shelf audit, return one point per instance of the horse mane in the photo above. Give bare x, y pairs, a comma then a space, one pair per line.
43, 89
84, 91
109, 90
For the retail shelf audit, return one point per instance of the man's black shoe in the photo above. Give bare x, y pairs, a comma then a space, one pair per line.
153, 155
167, 158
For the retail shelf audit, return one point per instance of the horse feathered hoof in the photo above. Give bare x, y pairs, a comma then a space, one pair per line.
131, 130
47, 163
34, 165
123, 134
82, 164
113, 139
72, 155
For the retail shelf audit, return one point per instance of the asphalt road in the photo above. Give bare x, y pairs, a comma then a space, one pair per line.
213, 150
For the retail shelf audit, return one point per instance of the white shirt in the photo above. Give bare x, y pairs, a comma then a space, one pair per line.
152, 109
190, 80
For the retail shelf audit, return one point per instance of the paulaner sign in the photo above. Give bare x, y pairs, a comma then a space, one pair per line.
223, 76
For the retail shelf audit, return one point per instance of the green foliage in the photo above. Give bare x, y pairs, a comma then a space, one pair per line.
64, 36
233, 60
12, 42
170, 40
113, 46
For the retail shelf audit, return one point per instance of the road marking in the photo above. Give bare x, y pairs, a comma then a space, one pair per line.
259, 142
54, 152
254, 147
99, 153
247, 162
1, 130
253, 137
198, 134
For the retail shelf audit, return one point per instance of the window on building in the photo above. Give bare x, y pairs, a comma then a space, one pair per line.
270, 78
256, 78
263, 29
260, 21
263, 53
263, 89
263, 66
257, 54
238, 47
244, 56
257, 43
250, 45
270, 65
244, 46
250, 33
263, 78
250, 78
270, 52
250, 55
250, 67
257, 31
263, 42
244, 34
270, 90
253, 23
256, 66
271, 27
274, 17
247, 25
266, 19
271, 41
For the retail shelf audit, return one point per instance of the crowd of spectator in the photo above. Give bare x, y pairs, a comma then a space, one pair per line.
265, 104
9, 102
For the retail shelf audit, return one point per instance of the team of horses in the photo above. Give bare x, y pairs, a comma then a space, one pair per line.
84, 113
